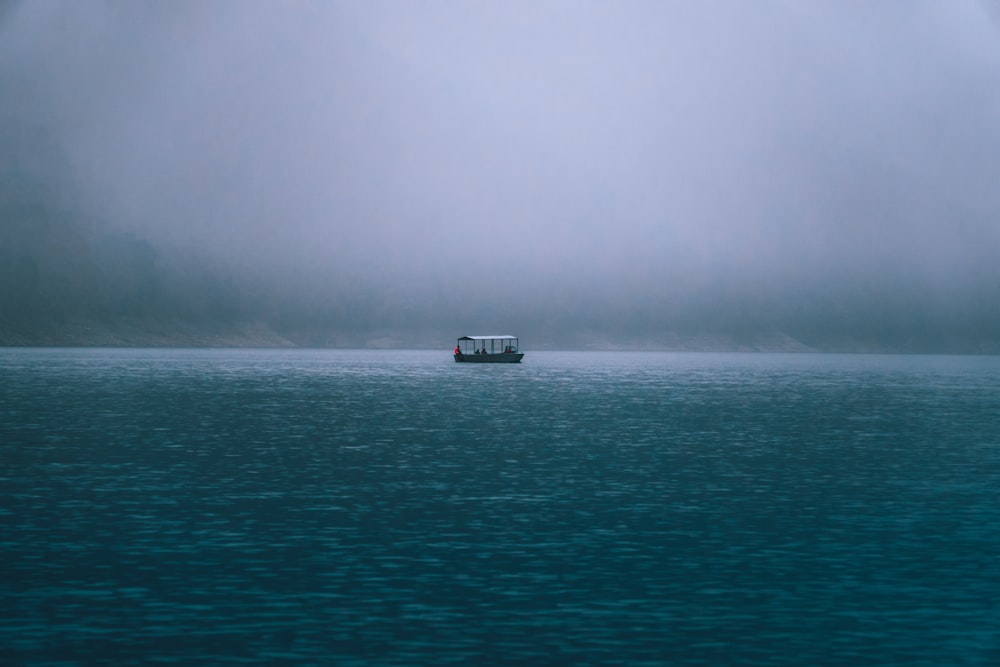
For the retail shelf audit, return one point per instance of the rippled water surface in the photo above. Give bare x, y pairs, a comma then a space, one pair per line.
396, 508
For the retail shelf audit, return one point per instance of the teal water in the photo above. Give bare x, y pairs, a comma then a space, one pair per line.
396, 508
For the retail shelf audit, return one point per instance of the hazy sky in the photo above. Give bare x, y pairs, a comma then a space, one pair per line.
635, 148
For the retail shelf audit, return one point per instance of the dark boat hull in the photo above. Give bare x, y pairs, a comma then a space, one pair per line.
502, 358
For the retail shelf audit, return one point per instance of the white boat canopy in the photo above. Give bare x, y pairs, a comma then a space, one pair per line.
487, 337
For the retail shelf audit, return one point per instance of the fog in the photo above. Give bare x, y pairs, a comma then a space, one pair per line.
719, 175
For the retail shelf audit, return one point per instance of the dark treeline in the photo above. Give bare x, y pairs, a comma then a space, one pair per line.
68, 279
65, 279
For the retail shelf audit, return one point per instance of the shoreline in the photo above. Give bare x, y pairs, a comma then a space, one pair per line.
139, 333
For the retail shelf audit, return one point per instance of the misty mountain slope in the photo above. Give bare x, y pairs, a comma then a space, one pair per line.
638, 175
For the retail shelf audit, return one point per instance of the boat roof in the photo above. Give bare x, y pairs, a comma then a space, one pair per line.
484, 337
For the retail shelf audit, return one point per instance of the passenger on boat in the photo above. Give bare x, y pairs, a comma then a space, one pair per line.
457, 351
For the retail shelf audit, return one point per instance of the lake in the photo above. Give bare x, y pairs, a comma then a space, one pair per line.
396, 508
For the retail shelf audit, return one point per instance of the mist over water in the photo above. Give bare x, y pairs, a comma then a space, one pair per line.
776, 176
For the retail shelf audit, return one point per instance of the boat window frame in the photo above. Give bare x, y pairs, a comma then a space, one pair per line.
479, 344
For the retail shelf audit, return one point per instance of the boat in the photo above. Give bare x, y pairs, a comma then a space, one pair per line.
488, 350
